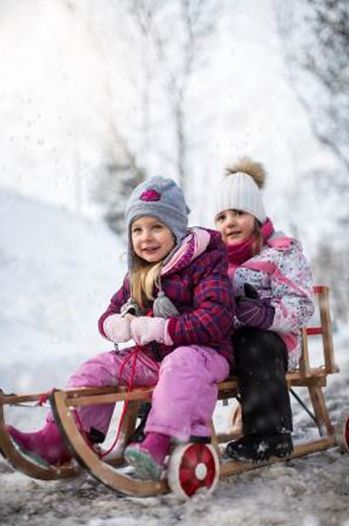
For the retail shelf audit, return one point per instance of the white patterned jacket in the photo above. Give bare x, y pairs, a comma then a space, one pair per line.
281, 273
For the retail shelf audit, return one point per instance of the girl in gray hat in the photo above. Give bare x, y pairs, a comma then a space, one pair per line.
176, 304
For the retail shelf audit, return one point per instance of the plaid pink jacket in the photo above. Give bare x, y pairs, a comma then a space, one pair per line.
202, 293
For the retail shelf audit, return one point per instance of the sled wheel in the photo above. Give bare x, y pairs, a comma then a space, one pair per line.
342, 431
192, 467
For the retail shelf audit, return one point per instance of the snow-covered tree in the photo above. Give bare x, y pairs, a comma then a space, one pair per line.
173, 35
316, 38
151, 52
315, 34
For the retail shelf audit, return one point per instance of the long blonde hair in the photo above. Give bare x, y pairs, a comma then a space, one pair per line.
143, 278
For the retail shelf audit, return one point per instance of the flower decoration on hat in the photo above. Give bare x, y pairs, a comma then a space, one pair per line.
150, 195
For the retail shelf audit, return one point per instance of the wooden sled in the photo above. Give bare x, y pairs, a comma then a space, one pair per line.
194, 465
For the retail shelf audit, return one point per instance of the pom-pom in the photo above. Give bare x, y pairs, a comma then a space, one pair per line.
249, 167
163, 306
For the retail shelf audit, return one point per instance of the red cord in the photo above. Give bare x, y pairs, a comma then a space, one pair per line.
133, 355
44, 397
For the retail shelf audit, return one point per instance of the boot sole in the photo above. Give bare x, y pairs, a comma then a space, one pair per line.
240, 458
144, 464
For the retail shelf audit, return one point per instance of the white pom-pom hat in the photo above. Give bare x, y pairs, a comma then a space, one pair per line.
241, 190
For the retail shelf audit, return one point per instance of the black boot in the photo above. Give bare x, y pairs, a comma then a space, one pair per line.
258, 448
95, 436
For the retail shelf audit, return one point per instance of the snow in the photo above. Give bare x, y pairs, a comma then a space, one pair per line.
58, 137
57, 273
67, 78
310, 492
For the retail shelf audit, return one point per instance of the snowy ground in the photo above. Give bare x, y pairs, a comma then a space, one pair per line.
312, 491
57, 273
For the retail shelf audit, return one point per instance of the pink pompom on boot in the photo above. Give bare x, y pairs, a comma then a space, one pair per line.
148, 457
48, 443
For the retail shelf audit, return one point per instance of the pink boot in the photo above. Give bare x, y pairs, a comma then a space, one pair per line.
148, 456
47, 443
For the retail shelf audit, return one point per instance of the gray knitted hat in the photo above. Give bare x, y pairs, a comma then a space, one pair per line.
162, 198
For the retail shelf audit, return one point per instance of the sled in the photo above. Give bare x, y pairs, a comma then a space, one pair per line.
196, 465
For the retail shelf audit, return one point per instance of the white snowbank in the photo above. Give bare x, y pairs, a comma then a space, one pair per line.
57, 273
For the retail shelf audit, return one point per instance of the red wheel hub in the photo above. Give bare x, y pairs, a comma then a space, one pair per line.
197, 469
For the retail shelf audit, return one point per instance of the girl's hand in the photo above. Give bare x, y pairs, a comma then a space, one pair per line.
252, 311
117, 328
145, 330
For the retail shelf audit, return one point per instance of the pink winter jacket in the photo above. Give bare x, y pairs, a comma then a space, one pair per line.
196, 281
281, 273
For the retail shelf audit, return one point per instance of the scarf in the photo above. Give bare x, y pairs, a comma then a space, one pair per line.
241, 252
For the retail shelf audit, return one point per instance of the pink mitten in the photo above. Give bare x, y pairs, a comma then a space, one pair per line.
117, 328
145, 330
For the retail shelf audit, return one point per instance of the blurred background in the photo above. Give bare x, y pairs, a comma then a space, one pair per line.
97, 95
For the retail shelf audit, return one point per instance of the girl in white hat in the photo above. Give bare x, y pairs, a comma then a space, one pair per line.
274, 298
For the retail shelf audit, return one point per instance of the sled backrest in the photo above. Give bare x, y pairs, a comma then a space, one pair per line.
323, 329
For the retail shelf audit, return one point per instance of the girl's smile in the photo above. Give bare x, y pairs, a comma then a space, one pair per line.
151, 239
235, 226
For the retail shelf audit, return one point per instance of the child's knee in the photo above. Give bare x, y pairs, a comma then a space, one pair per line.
183, 356
97, 371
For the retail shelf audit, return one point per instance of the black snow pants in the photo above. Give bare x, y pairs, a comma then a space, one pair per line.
261, 365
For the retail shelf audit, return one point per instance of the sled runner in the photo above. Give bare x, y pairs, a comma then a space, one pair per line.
30, 464
194, 465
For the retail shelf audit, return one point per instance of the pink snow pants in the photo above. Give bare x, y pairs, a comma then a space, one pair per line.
184, 396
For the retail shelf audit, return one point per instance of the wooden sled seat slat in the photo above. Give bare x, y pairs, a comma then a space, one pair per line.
16, 399
118, 395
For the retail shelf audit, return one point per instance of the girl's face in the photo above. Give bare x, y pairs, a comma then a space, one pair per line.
151, 239
235, 226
